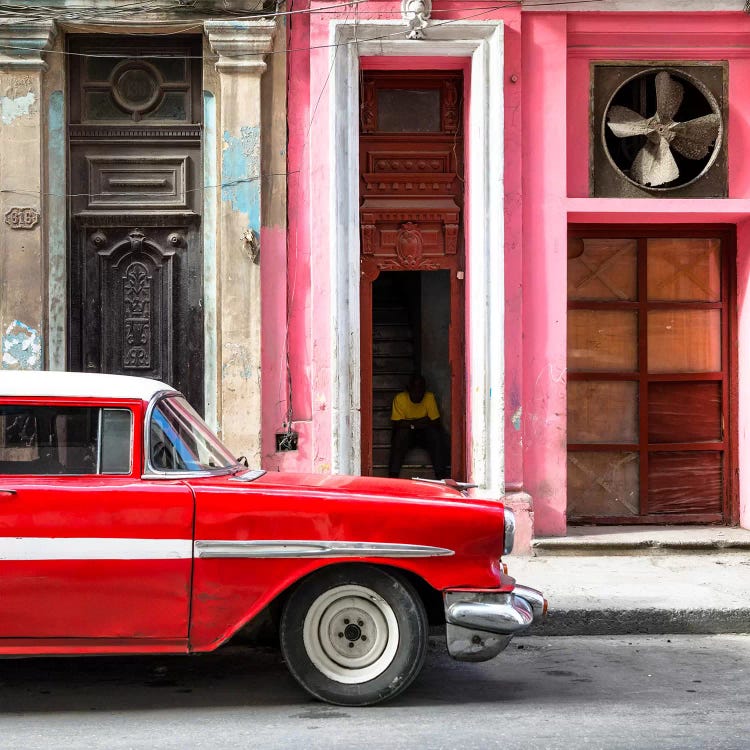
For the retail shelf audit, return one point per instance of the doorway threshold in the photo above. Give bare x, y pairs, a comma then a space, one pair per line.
643, 540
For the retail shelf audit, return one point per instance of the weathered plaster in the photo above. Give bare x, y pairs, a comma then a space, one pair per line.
11, 108
56, 233
22, 347
22, 155
240, 46
240, 173
210, 228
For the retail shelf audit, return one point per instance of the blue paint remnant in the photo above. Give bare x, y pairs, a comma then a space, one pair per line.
516, 419
13, 108
240, 173
56, 233
22, 347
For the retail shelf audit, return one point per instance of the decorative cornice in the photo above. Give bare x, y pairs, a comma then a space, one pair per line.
241, 45
22, 43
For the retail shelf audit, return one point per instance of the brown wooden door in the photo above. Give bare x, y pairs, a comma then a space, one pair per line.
411, 193
136, 260
649, 366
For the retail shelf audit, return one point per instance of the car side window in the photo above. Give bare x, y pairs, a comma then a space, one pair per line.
75, 440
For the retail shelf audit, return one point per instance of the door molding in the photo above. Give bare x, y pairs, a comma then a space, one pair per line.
482, 42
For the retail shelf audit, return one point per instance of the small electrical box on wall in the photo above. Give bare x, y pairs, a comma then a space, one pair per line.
658, 130
286, 441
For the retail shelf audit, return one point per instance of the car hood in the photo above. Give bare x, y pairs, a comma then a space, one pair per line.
364, 487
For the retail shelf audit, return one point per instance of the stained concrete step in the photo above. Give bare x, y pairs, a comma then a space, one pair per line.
643, 540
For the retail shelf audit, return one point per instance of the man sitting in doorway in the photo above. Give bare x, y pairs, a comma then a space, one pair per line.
416, 423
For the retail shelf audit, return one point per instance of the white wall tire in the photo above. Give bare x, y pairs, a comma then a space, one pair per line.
354, 635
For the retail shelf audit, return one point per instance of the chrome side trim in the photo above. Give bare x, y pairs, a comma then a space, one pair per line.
273, 548
248, 476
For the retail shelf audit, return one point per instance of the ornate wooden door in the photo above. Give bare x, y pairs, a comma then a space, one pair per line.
136, 261
411, 192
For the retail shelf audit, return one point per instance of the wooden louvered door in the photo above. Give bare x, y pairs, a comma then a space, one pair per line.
649, 366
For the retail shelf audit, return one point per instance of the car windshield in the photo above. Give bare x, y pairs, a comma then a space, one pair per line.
179, 440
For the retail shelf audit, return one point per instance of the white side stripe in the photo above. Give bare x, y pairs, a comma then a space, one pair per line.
111, 548
93, 548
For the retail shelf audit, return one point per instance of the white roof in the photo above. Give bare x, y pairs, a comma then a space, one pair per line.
77, 385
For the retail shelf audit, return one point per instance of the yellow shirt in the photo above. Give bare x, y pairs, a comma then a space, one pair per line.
405, 408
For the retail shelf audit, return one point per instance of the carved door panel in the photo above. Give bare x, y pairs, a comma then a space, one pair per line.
132, 308
136, 258
411, 201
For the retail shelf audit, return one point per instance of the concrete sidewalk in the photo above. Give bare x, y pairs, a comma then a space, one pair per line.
656, 580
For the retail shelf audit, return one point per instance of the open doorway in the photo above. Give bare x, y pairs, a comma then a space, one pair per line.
410, 334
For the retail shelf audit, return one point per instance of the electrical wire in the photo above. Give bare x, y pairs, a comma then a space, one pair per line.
155, 56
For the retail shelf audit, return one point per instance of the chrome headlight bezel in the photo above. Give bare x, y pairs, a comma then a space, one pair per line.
509, 530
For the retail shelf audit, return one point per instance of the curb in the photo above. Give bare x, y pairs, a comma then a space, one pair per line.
645, 621
646, 547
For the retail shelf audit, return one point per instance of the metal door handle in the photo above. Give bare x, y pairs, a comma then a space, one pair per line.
8, 492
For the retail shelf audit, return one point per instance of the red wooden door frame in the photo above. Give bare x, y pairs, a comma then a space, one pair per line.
372, 262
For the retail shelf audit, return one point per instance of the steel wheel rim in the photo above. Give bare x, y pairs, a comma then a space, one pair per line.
351, 634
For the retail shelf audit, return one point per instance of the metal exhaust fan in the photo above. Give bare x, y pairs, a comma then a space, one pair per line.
662, 130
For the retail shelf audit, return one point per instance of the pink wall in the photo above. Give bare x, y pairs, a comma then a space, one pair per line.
544, 269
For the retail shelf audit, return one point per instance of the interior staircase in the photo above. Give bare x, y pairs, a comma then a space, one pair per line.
395, 356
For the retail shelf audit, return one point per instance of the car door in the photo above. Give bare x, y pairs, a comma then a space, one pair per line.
87, 548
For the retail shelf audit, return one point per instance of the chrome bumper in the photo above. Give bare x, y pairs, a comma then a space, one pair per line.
480, 624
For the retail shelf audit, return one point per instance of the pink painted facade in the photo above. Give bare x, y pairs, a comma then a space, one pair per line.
546, 90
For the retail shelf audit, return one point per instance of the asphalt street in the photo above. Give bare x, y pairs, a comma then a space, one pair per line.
544, 692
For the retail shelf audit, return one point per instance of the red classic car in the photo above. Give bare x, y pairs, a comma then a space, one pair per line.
127, 527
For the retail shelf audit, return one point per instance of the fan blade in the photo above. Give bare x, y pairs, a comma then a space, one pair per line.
695, 138
654, 164
623, 122
668, 96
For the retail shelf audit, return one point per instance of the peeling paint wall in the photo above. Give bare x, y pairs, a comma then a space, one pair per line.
240, 173
22, 261
22, 347
13, 108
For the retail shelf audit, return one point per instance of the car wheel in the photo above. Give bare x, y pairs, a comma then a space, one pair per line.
354, 635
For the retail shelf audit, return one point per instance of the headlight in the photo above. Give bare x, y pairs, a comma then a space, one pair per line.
509, 531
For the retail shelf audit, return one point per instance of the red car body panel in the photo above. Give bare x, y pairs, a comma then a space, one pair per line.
313, 507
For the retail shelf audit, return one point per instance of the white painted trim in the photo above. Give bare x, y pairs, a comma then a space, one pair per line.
482, 42
94, 548
210, 252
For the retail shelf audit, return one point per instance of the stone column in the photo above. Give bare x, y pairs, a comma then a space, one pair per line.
241, 47
22, 262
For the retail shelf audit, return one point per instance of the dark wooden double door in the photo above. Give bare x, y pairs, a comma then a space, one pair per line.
135, 261
649, 375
